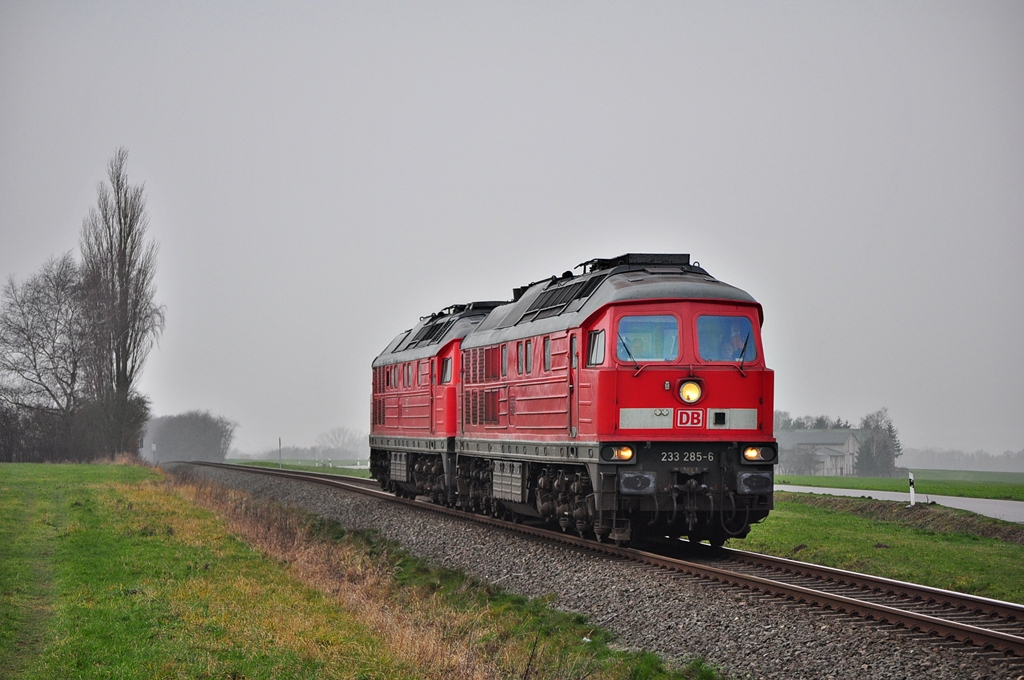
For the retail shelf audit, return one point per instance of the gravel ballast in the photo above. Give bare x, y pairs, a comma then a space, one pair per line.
677, 617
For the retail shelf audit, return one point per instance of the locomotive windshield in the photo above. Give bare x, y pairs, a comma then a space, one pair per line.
726, 338
648, 338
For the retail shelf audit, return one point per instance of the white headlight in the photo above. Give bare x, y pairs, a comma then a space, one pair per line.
690, 392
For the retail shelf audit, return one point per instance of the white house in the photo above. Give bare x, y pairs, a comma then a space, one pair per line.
818, 452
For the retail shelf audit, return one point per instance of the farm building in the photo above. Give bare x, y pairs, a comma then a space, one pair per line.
818, 452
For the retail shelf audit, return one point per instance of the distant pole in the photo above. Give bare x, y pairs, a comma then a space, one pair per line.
279, 453
911, 490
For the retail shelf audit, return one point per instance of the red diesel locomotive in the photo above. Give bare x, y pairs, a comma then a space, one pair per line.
632, 400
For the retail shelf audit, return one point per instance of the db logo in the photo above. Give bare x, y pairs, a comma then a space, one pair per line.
686, 418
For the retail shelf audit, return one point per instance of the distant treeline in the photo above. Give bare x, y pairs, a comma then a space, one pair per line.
946, 459
196, 435
338, 444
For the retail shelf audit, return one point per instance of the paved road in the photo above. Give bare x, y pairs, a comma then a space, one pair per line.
1011, 511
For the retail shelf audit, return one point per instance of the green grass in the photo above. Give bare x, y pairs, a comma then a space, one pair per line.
931, 545
306, 467
111, 571
107, 577
971, 476
993, 485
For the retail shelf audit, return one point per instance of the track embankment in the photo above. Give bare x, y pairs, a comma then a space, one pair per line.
746, 633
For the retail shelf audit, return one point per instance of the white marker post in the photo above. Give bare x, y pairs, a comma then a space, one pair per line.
911, 490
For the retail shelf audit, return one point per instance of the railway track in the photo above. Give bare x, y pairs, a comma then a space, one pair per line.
990, 625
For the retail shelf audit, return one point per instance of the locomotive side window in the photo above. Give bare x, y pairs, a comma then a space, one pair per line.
648, 338
547, 354
491, 360
446, 370
504, 360
519, 358
595, 348
529, 357
726, 338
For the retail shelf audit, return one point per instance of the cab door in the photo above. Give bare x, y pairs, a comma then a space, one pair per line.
574, 396
432, 388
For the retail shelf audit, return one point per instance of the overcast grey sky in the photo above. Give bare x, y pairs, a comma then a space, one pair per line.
319, 175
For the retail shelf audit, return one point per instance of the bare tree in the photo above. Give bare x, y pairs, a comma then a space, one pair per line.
340, 442
42, 340
119, 265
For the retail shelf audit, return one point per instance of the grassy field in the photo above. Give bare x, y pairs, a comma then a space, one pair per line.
931, 545
118, 571
995, 485
112, 576
307, 467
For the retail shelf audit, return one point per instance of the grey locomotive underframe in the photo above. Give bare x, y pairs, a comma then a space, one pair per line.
571, 483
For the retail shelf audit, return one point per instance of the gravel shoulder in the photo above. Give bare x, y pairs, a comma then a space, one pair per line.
678, 617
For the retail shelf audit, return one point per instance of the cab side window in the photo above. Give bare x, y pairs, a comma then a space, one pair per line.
595, 348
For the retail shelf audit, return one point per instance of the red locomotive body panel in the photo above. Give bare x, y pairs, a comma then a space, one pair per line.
409, 399
547, 398
415, 384
641, 386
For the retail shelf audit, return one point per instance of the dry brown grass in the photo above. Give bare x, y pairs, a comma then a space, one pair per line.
419, 631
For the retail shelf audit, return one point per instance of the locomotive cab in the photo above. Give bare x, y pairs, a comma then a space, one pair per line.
683, 410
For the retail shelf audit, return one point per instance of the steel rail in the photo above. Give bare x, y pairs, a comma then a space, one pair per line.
879, 584
913, 621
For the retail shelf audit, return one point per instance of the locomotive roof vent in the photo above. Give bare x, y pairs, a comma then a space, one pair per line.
681, 260
557, 299
437, 325
478, 306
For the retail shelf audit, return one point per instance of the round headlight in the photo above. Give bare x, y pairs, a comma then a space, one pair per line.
689, 392
752, 453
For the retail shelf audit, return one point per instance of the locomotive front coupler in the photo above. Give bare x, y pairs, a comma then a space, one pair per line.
689, 490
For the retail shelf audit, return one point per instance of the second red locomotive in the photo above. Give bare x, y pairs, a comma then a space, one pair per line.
630, 401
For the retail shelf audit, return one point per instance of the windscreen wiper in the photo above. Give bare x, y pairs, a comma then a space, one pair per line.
743, 352
628, 353
743, 355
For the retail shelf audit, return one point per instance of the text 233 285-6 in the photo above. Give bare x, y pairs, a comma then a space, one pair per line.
687, 457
